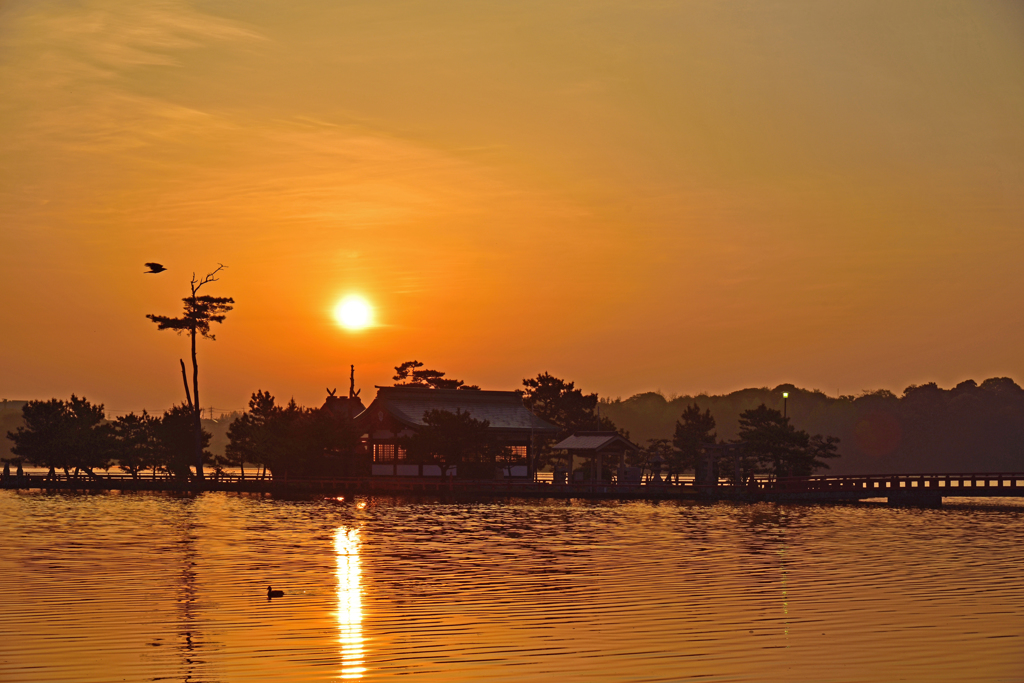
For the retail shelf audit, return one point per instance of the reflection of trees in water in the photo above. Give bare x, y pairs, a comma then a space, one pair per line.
772, 532
562, 550
763, 527
551, 551
744, 544
189, 633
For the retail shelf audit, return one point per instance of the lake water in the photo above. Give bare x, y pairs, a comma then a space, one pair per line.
147, 587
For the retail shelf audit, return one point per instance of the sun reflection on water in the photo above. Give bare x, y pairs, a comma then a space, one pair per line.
350, 610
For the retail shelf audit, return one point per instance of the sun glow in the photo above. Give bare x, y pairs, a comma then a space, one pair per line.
354, 313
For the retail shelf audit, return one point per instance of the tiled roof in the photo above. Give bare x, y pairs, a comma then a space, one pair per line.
593, 441
502, 409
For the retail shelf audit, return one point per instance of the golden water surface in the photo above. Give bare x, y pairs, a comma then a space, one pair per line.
148, 587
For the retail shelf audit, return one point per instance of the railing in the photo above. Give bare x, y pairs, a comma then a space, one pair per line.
81, 477
390, 483
859, 486
944, 483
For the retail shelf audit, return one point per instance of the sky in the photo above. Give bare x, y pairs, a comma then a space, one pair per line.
687, 196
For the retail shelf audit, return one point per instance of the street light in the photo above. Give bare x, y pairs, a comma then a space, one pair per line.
785, 399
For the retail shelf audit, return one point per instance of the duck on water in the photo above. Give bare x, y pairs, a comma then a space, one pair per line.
271, 593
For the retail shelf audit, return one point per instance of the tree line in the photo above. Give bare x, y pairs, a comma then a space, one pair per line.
287, 440
767, 443
971, 427
293, 441
73, 437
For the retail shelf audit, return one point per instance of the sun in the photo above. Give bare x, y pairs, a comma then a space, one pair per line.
354, 313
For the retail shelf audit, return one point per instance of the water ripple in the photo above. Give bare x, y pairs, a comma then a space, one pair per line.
157, 587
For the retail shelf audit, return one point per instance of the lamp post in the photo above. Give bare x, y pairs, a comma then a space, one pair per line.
785, 400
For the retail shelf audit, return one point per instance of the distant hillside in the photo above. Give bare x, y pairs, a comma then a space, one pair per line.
10, 419
219, 431
968, 428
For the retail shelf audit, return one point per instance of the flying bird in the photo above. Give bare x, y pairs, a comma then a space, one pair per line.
154, 268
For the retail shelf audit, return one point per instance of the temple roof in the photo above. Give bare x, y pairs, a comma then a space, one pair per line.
595, 441
502, 409
347, 406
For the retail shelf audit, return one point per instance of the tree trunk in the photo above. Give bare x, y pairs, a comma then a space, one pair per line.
241, 465
195, 408
184, 379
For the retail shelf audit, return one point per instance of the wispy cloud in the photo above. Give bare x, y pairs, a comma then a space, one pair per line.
103, 37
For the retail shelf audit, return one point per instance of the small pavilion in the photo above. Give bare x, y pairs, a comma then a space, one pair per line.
599, 447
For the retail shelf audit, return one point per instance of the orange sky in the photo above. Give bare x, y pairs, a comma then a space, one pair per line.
688, 196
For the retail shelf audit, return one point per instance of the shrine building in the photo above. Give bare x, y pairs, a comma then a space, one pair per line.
397, 412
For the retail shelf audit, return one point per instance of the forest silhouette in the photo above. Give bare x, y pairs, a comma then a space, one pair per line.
970, 428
